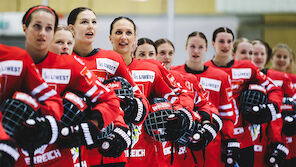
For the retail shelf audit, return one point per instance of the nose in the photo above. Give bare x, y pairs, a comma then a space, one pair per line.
65, 46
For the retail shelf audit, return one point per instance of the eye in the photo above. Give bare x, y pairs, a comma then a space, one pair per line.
142, 54
48, 28
192, 46
201, 47
151, 54
59, 42
118, 32
251, 53
171, 53
229, 41
94, 22
243, 52
129, 33
221, 41
70, 43
162, 53
84, 22
37, 26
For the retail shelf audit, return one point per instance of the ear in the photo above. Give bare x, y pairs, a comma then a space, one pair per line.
110, 39
24, 27
213, 44
71, 27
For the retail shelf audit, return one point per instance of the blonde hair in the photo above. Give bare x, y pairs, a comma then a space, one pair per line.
290, 68
64, 27
237, 42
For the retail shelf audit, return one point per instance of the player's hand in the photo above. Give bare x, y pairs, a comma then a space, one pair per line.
177, 124
134, 109
230, 152
278, 153
36, 132
115, 143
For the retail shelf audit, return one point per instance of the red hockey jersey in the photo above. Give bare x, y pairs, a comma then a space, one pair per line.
242, 73
107, 64
68, 72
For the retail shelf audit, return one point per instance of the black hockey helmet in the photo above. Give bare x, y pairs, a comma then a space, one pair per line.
154, 124
16, 110
75, 107
121, 87
253, 96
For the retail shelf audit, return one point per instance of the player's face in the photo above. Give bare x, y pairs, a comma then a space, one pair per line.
85, 27
145, 51
244, 51
259, 56
123, 37
40, 31
223, 44
196, 49
165, 54
62, 43
281, 60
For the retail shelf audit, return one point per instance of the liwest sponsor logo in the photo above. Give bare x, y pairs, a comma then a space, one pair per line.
11, 67
59, 76
241, 73
107, 64
210, 84
143, 76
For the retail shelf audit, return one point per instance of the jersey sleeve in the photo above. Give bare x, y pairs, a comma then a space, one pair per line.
105, 100
51, 102
123, 71
226, 108
287, 87
275, 95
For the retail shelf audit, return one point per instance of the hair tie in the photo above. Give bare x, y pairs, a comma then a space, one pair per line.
38, 7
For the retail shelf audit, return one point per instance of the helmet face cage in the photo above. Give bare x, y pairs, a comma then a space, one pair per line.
121, 87
72, 114
14, 113
251, 98
154, 124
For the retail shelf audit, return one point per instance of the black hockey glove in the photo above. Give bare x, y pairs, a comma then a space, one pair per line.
134, 110
230, 152
278, 153
85, 133
8, 153
261, 113
289, 117
177, 124
36, 132
202, 136
115, 143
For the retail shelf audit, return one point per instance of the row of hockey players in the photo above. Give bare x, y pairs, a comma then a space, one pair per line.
182, 119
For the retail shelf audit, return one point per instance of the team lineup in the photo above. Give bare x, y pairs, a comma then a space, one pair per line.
65, 103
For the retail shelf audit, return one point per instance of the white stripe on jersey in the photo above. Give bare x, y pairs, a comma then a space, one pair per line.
224, 114
96, 98
90, 92
39, 88
47, 95
225, 107
171, 94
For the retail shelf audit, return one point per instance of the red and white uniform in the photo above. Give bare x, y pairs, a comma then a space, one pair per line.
271, 132
149, 79
199, 97
67, 72
169, 78
19, 73
107, 64
218, 88
243, 73
291, 141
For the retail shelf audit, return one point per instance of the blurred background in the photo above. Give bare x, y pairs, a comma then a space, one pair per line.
271, 20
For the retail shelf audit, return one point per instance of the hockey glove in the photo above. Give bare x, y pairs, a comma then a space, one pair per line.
115, 143
202, 136
134, 110
289, 117
261, 113
177, 124
278, 153
230, 152
8, 153
85, 134
36, 132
